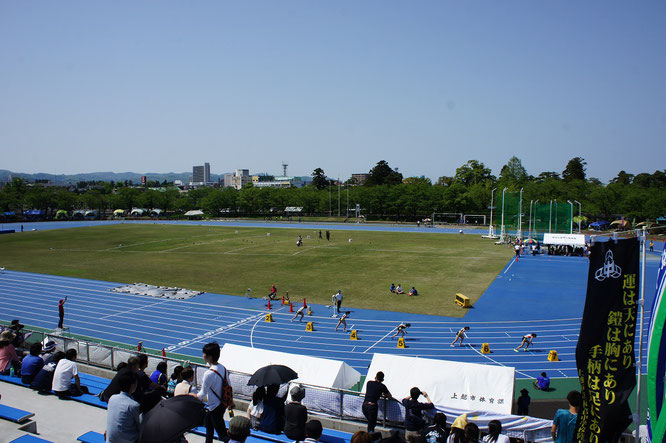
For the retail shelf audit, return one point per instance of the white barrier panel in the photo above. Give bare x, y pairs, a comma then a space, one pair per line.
564, 239
461, 386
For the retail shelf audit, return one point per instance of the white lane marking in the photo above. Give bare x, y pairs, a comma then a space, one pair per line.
510, 264
496, 362
134, 309
377, 342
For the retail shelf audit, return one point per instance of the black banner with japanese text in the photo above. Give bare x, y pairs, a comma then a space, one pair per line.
605, 351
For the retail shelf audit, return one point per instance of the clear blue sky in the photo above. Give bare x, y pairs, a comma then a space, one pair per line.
157, 86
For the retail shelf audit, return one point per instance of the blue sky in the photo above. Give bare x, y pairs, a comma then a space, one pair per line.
159, 86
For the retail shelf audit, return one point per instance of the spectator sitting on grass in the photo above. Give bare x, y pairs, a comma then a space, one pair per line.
32, 364
123, 422
399, 290
65, 371
159, 375
43, 381
542, 382
295, 415
186, 386
413, 292
392, 288
8, 357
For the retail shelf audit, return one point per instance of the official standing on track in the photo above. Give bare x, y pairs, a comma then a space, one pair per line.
61, 311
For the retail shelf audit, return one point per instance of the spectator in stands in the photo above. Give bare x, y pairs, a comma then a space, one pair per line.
44, 378
524, 402
131, 367
436, 433
313, 431
542, 382
8, 357
414, 422
123, 422
212, 393
471, 433
495, 433
256, 407
176, 377
159, 375
564, 423
65, 371
19, 337
48, 351
186, 386
295, 415
458, 430
373, 391
147, 393
361, 437
239, 429
32, 364
272, 421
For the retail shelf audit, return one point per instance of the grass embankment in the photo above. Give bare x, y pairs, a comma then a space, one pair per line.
230, 260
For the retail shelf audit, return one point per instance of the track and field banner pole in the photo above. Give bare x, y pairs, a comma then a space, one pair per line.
502, 231
641, 313
520, 215
490, 226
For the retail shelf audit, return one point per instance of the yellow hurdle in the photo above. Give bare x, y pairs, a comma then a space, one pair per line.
353, 335
309, 327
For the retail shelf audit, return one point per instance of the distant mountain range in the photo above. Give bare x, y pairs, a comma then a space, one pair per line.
101, 176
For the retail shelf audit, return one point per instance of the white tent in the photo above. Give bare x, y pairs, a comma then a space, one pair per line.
194, 213
311, 370
465, 386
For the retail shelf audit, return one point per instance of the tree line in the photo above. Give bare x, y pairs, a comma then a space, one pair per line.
385, 195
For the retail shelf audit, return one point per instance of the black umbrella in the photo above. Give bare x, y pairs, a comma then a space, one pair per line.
171, 418
272, 375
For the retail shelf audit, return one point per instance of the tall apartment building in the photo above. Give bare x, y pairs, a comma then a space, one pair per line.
240, 178
201, 174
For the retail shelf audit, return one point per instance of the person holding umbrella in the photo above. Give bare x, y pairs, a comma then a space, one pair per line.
211, 391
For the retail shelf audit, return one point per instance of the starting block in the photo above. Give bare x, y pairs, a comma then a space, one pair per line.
552, 356
309, 310
401, 343
309, 327
269, 318
353, 335
485, 348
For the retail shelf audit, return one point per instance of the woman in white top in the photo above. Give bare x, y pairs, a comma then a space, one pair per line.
185, 387
256, 407
494, 433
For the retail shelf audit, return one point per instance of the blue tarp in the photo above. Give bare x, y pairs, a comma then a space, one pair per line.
36, 212
600, 225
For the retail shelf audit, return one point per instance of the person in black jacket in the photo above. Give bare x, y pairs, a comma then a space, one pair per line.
373, 391
414, 422
295, 415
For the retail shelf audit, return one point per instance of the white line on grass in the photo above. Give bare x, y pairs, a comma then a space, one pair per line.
377, 342
308, 248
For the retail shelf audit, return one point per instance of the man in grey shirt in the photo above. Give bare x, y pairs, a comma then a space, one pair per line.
123, 421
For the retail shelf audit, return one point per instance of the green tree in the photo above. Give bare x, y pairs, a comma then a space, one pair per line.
473, 172
513, 173
319, 179
575, 169
623, 178
382, 174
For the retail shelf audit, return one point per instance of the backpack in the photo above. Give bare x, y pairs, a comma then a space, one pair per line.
227, 398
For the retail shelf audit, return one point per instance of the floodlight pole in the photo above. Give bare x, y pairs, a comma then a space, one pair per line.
338, 196
550, 218
490, 226
534, 222
571, 218
502, 232
347, 199
641, 313
580, 214
530, 222
520, 215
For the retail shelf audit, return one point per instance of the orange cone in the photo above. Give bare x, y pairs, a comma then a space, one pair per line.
283, 299
304, 304
291, 307
269, 305
163, 352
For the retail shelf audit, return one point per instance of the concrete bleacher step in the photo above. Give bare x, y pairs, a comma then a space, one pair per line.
91, 437
27, 438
